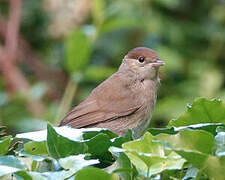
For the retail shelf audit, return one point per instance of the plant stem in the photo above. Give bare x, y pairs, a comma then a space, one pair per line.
66, 101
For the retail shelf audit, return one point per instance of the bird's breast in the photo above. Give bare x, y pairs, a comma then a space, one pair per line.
144, 114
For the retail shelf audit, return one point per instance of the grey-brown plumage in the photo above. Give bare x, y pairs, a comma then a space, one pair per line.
123, 101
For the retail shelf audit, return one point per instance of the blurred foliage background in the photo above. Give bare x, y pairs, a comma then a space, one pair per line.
53, 53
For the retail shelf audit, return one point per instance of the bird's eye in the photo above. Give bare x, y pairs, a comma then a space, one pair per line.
141, 59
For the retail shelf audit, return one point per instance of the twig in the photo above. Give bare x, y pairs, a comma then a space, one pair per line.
11, 39
16, 82
25, 53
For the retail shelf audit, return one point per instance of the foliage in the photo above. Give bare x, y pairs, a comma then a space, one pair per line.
187, 35
190, 151
58, 70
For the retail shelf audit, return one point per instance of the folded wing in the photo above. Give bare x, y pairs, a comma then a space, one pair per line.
109, 101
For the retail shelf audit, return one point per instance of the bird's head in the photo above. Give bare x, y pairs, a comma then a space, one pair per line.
143, 61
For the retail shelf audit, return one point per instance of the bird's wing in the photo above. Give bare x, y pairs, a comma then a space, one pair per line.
112, 99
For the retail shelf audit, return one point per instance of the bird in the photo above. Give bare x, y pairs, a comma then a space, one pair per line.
123, 101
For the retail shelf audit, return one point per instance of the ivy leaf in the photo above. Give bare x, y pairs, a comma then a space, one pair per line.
4, 145
59, 146
76, 163
68, 132
209, 127
91, 173
201, 111
70, 164
149, 156
212, 166
192, 140
196, 146
36, 148
10, 164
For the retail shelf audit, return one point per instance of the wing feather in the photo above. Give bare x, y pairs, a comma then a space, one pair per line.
109, 101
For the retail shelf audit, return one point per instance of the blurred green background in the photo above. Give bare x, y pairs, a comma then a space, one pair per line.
66, 48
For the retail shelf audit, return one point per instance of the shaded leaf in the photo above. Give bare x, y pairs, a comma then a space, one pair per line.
212, 166
125, 168
98, 148
59, 146
98, 144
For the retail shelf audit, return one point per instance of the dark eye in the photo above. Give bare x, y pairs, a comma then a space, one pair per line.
141, 59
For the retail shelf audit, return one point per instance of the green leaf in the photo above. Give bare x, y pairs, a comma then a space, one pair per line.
149, 156
10, 164
98, 148
89, 133
98, 73
145, 145
98, 7
193, 140
212, 166
36, 148
201, 111
93, 173
24, 175
59, 146
116, 23
209, 127
4, 145
78, 51
28, 175
65, 141
118, 141
125, 167
98, 144
68, 132
196, 146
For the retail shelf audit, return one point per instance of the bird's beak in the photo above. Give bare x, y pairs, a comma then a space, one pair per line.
158, 63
